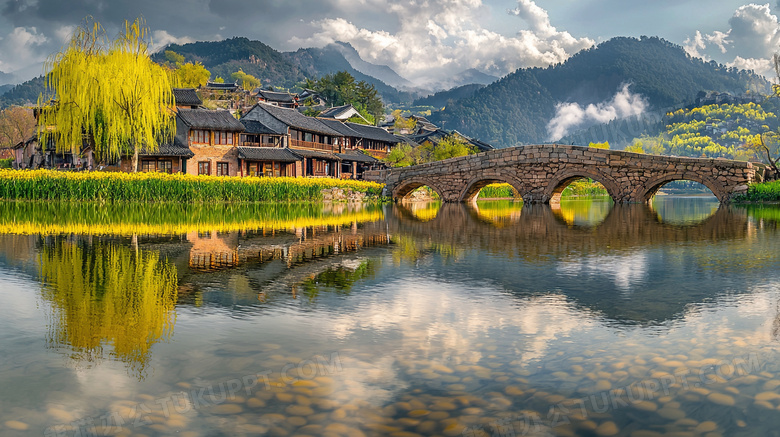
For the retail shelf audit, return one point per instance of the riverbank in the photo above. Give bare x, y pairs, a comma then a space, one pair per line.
766, 192
179, 188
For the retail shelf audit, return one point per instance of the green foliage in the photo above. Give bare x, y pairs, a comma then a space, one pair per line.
219, 79
451, 147
401, 156
192, 75
637, 147
6, 163
342, 89
109, 90
442, 98
497, 191
400, 123
173, 58
734, 131
604, 145
516, 109
246, 81
24, 94
764, 192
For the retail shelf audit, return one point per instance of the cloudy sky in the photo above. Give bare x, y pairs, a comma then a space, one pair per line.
421, 39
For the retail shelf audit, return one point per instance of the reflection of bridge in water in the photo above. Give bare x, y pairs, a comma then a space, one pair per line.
540, 230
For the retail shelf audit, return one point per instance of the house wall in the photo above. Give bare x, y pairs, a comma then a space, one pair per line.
213, 154
126, 164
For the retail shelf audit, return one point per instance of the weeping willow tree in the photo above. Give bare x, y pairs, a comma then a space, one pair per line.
108, 301
109, 94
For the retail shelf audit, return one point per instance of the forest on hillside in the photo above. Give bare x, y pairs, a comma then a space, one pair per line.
516, 109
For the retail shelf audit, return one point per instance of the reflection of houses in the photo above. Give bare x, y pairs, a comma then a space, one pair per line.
212, 250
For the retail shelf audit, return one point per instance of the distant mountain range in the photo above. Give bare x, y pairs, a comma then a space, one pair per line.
517, 108
442, 98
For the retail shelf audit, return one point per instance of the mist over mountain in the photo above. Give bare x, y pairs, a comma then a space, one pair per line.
381, 72
620, 77
442, 98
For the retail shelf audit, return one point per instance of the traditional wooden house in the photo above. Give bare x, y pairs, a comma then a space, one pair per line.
187, 98
353, 160
281, 99
29, 154
305, 136
212, 137
373, 140
341, 113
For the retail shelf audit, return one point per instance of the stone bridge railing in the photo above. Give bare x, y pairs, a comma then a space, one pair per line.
540, 173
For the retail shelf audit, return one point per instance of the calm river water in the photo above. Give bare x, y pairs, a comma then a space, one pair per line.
495, 320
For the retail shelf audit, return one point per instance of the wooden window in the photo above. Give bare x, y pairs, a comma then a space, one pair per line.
276, 169
223, 138
254, 169
198, 136
165, 166
268, 169
223, 169
204, 167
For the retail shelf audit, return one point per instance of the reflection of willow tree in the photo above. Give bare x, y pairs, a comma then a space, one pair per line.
341, 279
108, 295
407, 248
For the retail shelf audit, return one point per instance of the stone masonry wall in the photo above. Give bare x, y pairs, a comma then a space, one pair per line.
540, 173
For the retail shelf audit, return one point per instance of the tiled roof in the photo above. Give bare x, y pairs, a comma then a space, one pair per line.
340, 127
296, 120
175, 148
256, 127
315, 154
372, 132
272, 96
357, 156
267, 154
208, 119
335, 111
222, 86
186, 97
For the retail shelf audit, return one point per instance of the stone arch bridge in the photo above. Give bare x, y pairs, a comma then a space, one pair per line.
540, 173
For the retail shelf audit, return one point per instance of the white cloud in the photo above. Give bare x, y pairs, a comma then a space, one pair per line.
439, 38
19, 49
569, 116
753, 36
161, 38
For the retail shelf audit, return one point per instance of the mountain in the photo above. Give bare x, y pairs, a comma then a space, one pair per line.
5, 88
315, 63
223, 58
285, 70
517, 108
23, 94
442, 98
381, 72
471, 76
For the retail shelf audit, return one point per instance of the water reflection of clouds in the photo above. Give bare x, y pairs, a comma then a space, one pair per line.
443, 321
627, 270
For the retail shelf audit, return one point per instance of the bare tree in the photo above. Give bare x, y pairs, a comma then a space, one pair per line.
16, 124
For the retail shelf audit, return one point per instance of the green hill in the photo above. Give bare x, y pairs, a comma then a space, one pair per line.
285, 70
517, 108
441, 98
24, 94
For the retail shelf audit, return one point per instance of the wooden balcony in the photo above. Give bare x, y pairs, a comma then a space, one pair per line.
300, 144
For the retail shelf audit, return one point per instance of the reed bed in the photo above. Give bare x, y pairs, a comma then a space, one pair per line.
160, 187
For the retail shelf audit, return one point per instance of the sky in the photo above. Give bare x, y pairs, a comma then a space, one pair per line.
423, 40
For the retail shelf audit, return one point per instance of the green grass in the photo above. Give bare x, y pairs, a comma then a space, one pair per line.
763, 192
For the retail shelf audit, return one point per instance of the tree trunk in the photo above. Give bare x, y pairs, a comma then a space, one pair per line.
135, 159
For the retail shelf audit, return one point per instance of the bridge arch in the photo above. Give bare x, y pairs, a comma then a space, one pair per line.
646, 191
403, 189
563, 178
473, 187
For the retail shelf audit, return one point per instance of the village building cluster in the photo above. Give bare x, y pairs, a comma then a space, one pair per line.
272, 138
